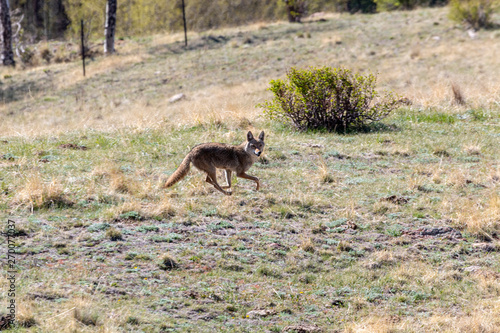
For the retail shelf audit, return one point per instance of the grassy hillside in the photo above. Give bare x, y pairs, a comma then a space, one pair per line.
392, 230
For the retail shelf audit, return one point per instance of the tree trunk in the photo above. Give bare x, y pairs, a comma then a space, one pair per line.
6, 27
109, 32
295, 9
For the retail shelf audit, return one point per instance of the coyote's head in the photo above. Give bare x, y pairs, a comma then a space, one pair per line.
255, 147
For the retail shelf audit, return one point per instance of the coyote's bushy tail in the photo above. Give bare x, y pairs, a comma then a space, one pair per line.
180, 173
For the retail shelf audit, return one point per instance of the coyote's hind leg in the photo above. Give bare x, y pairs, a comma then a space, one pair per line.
212, 179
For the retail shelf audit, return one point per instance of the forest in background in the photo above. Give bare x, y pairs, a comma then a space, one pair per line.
56, 19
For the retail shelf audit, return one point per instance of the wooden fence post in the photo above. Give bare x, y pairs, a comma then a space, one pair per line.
185, 27
83, 48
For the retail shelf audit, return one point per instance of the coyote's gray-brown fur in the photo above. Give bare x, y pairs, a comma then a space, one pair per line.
209, 157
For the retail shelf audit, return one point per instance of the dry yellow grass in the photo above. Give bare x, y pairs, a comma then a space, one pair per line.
307, 245
483, 318
478, 216
36, 193
163, 209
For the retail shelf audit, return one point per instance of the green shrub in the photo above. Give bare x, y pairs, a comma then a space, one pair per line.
327, 98
475, 14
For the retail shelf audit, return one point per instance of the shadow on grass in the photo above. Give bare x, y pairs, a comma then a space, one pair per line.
15, 91
376, 127
373, 128
249, 38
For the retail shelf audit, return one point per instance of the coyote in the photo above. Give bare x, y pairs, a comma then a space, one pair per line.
211, 156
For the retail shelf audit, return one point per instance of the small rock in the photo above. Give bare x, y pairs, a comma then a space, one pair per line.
338, 302
351, 225
313, 145
216, 297
71, 146
371, 266
445, 231
405, 101
191, 294
176, 98
115, 291
276, 246
260, 313
472, 269
441, 231
317, 15
485, 247
396, 200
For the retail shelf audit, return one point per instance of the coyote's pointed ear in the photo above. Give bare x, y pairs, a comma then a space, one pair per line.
261, 136
249, 136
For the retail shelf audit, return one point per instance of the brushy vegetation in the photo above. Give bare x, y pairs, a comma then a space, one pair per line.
327, 98
58, 18
393, 229
148, 16
475, 14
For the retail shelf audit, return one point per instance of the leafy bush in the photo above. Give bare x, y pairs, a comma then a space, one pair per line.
476, 14
27, 56
355, 6
327, 98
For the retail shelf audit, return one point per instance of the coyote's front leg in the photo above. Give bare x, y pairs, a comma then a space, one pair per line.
255, 179
227, 173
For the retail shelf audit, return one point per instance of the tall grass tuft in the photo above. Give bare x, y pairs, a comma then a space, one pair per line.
480, 218
38, 194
